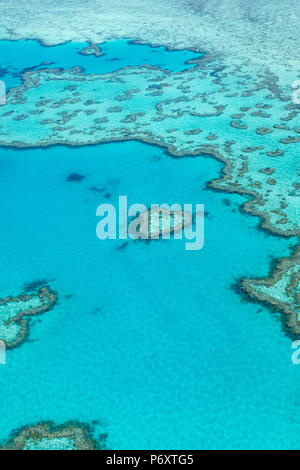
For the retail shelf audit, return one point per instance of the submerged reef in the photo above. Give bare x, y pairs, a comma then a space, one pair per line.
281, 290
75, 177
234, 105
256, 31
241, 115
16, 311
92, 49
160, 222
190, 116
47, 436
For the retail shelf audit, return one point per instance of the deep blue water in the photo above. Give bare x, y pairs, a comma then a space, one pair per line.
154, 341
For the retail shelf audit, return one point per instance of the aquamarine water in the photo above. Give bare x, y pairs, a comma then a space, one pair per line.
150, 339
17, 57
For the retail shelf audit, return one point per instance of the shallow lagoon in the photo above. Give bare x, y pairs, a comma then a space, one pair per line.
150, 339
154, 342
17, 57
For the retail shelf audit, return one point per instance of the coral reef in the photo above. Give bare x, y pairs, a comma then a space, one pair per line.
47, 436
281, 290
159, 222
234, 105
15, 313
195, 103
91, 49
229, 27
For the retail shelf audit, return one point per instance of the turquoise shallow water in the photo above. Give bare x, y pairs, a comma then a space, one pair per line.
17, 57
150, 339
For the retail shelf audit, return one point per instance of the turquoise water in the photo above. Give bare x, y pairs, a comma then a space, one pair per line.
150, 339
17, 57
